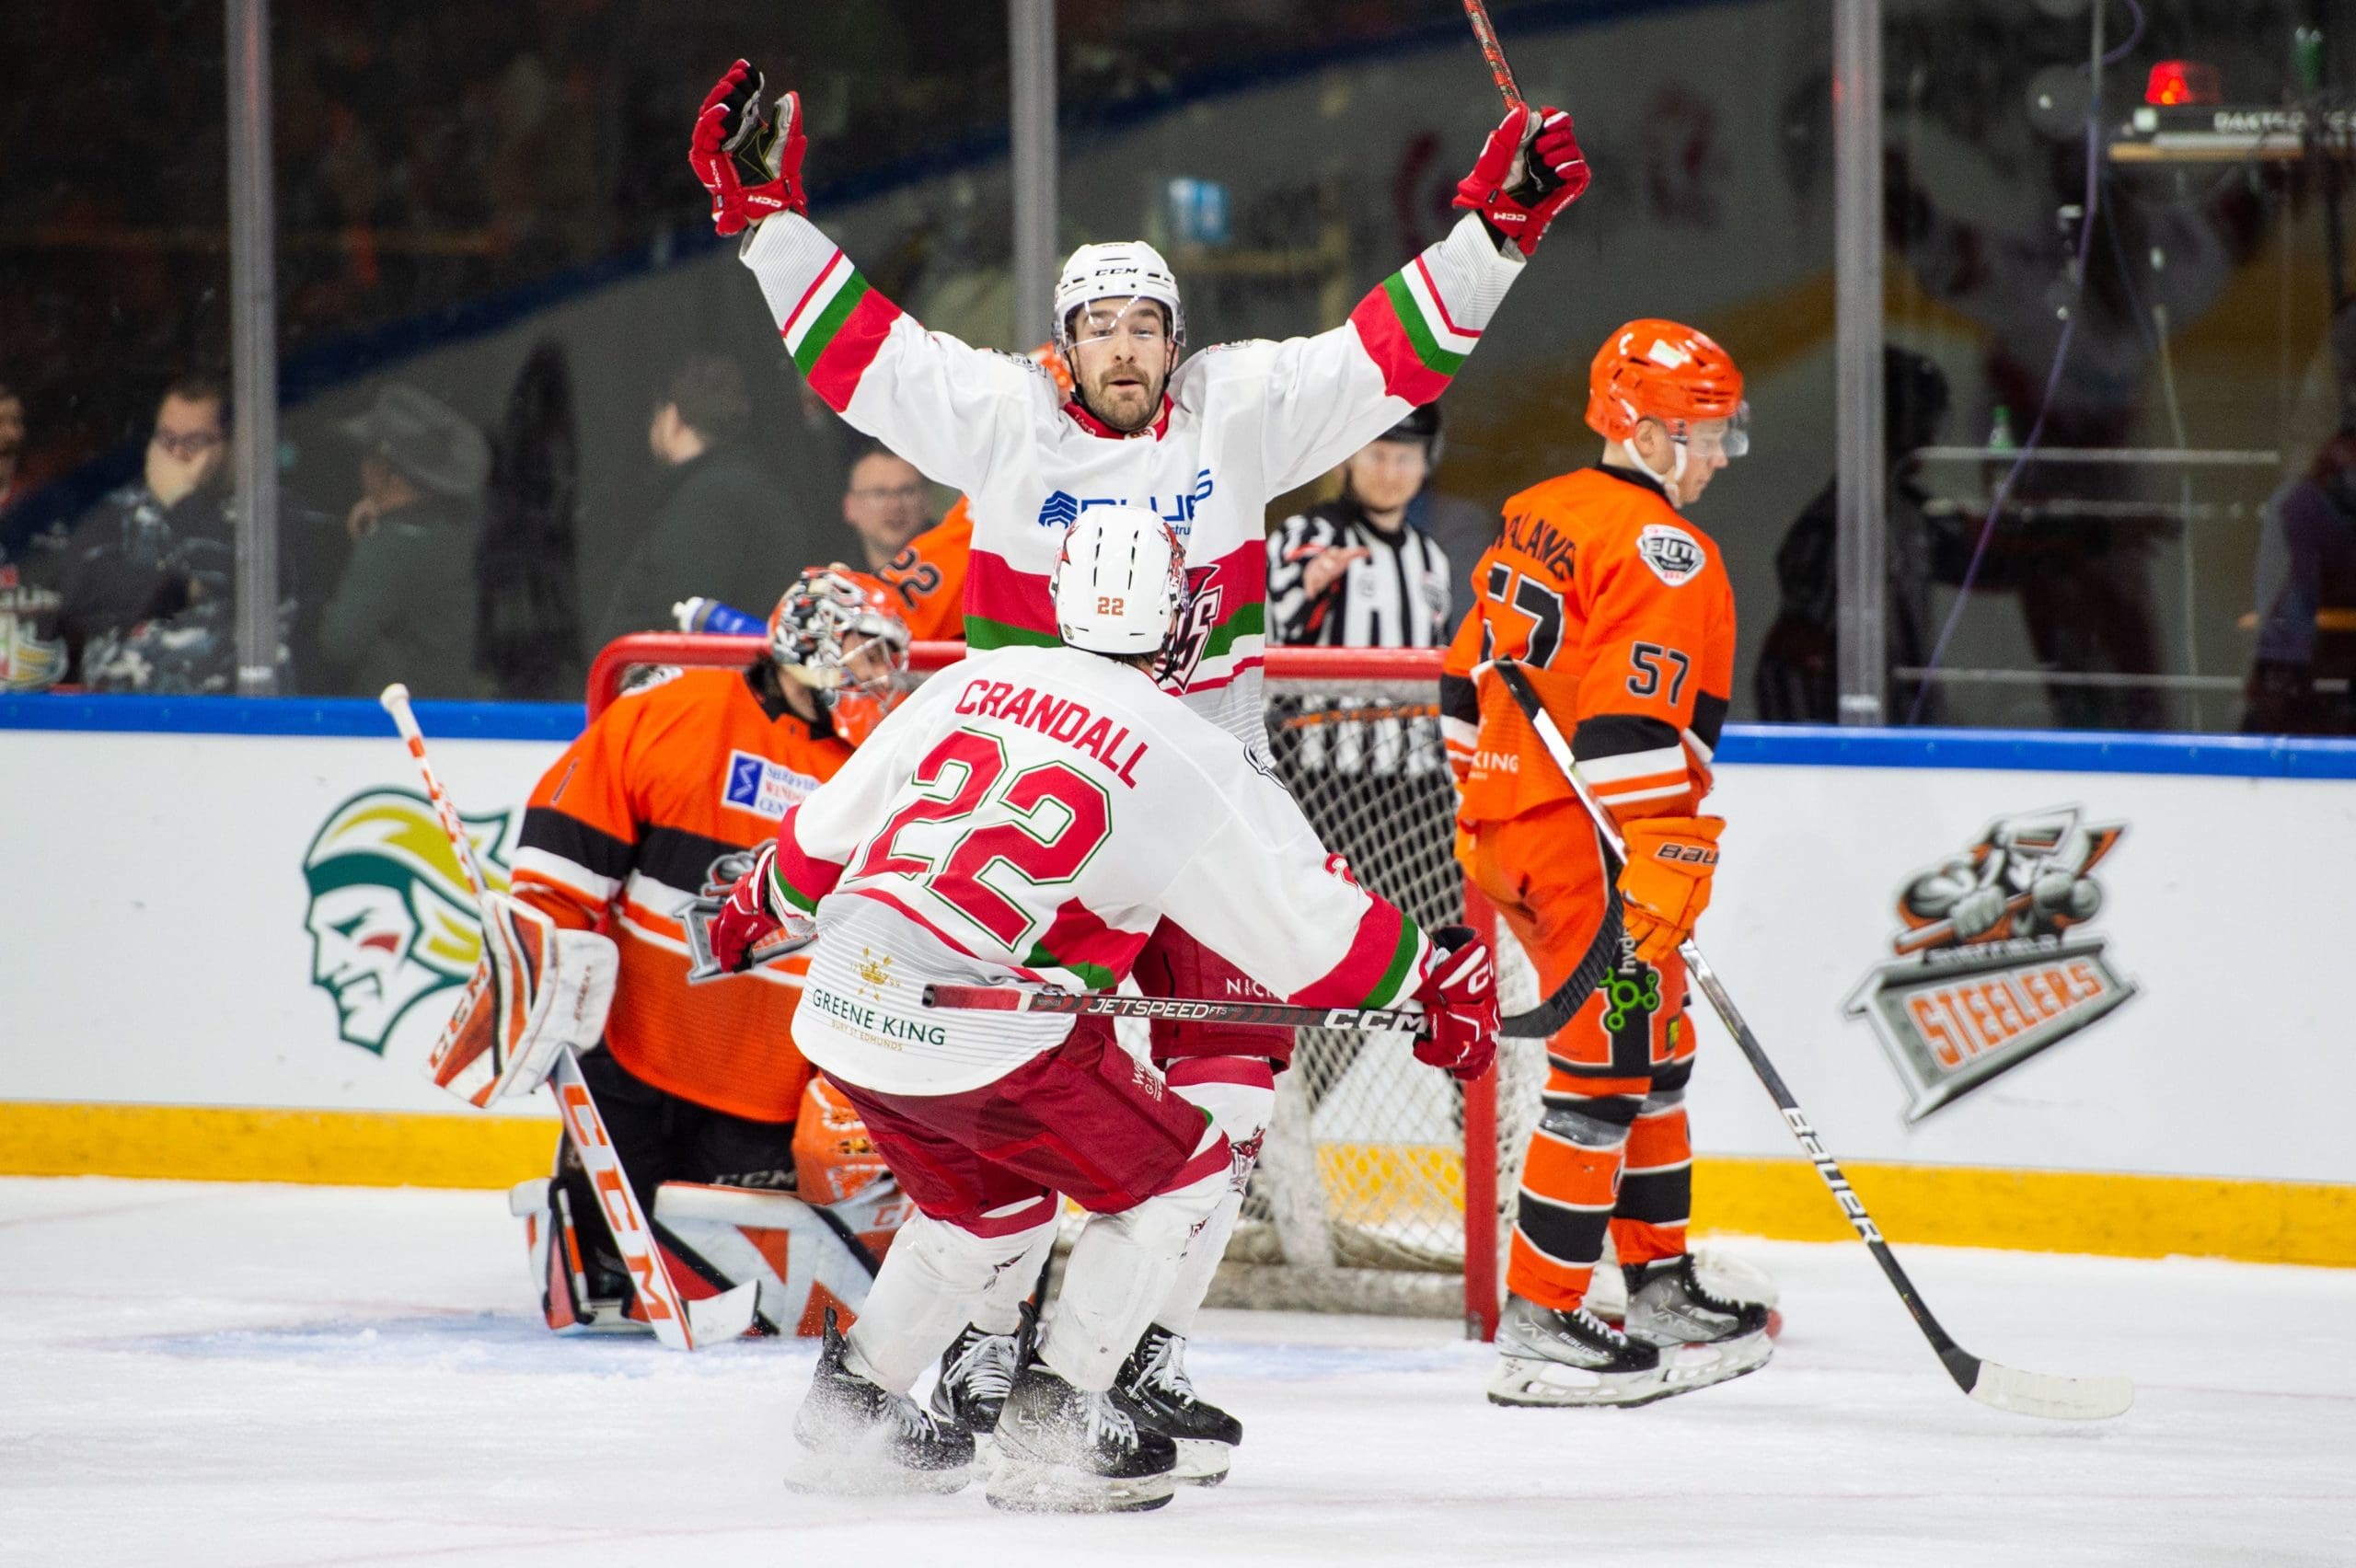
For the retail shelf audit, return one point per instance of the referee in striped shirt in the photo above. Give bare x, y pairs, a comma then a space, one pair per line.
1353, 572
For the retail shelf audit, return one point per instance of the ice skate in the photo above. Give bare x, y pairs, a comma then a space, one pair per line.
858, 1437
1550, 1357
1152, 1386
1702, 1337
1064, 1452
976, 1370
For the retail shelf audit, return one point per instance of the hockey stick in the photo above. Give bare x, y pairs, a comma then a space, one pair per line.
2004, 1388
1495, 53
1537, 1023
1185, 1009
681, 1325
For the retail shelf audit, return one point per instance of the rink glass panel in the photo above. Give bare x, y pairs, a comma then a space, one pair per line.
2117, 589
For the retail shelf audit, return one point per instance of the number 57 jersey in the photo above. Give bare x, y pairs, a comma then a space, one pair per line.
1029, 817
1622, 613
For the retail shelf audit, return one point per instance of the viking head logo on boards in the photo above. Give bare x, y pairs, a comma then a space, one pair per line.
391, 920
1994, 961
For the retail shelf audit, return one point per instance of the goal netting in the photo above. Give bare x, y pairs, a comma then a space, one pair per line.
1383, 1185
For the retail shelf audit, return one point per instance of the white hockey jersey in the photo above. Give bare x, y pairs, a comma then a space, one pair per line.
1241, 425
1030, 816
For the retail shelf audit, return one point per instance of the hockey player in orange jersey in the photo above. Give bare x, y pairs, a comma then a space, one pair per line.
640, 829
1619, 609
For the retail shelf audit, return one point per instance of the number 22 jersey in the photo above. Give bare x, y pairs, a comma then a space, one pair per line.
1029, 817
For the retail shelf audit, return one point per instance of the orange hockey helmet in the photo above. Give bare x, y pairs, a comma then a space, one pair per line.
1662, 370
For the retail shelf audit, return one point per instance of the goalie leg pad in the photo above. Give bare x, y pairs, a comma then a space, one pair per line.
803, 1259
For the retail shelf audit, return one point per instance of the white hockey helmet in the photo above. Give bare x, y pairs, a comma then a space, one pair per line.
1120, 269
1119, 583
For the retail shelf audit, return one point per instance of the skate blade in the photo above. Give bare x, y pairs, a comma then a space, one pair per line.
1694, 1367
1027, 1486
1201, 1462
860, 1475
1529, 1383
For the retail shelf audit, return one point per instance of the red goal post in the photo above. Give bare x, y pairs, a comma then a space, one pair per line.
1394, 1191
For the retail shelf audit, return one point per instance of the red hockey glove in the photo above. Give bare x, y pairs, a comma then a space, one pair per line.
1530, 169
736, 139
745, 920
1460, 996
1665, 885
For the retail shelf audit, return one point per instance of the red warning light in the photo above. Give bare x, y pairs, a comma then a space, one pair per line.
2183, 81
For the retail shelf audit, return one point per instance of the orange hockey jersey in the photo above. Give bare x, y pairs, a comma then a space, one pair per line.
928, 578
1620, 609
664, 800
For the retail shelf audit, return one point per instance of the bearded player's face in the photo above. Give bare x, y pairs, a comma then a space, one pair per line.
1122, 355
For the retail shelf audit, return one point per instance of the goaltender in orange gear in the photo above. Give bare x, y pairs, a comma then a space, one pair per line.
1618, 606
646, 820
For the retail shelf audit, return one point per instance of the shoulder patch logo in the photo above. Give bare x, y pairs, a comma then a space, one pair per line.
764, 788
1672, 553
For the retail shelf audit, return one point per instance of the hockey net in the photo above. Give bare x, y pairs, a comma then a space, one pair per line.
1383, 1186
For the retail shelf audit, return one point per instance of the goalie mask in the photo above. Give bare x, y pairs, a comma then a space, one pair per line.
1119, 583
835, 632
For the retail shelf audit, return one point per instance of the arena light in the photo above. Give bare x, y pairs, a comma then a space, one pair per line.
2183, 81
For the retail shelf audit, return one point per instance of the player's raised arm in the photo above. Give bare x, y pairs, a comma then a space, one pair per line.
1329, 395
932, 399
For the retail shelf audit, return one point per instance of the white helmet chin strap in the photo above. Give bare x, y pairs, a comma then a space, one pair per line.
1676, 468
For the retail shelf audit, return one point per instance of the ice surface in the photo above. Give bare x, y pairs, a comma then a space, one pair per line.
291, 1377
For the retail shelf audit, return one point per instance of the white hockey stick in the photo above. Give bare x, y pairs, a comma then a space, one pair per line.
680, 1323
2005, 1388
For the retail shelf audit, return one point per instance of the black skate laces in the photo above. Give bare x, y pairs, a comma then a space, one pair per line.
984, 1364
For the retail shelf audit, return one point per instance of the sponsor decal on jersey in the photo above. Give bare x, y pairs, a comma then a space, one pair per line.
756, 784
1062, 508
391, 918
1674, 555
1994, 961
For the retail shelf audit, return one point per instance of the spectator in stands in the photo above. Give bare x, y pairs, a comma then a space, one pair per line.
1353, 572
717, 532
154, 564
884, 505
2306, 589
405, 609
1798, 677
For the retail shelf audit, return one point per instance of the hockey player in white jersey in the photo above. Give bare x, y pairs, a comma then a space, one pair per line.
1206, 444
1030, 817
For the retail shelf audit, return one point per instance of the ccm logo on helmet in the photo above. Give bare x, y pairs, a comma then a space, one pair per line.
1687, 854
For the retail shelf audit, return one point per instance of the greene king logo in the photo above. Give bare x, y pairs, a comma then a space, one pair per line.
1994, 962
390, 918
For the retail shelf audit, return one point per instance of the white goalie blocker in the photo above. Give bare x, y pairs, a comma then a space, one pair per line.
803, 1258
537, 988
